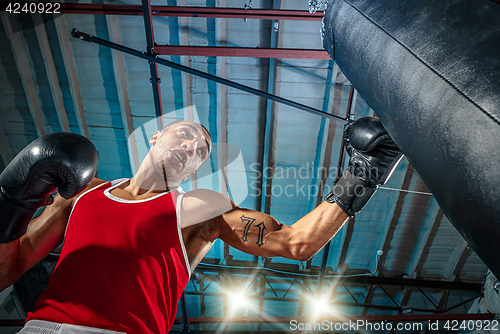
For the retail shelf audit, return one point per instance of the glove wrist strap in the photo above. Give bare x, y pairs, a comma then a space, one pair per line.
14, 220
350, 193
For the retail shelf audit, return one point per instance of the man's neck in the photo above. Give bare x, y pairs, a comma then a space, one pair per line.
148, 180
138, 187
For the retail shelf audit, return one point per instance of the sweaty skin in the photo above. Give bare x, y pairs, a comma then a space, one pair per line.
176, 153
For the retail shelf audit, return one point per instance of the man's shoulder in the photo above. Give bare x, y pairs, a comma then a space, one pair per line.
206, 199
94, 183
205, 194
200, 205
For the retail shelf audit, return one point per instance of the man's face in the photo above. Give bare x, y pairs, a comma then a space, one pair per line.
180, 150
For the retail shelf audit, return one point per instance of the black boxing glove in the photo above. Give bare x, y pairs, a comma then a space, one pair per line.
374, 157
63, 161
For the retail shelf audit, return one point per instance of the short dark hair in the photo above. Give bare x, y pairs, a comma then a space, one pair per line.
180, 121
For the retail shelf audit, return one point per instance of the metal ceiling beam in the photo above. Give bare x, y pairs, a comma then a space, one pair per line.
74, 85
334, 108
219, 51
324, 143
368, 298
416, 217
185, 322
222, 116
339, 303
184, 11
386, 237
153, 66
144, 55
50, 68
342, 157
349, 115
202, 300
405, 299
322, 153
187, 79
427, 297
457, 259
443, 302
270, 128
428, 218
183, 31
267, 132
426, 250
423, 283
20, 51
347, 231
203, 268
123, 99
271, 123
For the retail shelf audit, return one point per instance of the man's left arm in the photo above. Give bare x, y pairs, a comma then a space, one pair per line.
373, 158
260, 234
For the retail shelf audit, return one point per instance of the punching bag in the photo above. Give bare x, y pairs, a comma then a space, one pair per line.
431, 72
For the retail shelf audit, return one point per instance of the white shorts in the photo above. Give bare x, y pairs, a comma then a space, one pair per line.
47, 327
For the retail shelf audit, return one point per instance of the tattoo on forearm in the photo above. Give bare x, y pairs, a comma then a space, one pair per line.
260, 237
248, 223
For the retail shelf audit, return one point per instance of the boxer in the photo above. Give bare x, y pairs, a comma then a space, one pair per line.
130, 245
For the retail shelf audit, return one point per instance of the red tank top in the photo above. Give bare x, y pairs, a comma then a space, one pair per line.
123, 265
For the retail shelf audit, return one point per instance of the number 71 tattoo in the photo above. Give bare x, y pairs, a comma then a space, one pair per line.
248, 223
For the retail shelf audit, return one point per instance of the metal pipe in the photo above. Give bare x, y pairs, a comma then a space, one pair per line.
223, 51
349, 116
179, 11
435, 284
326, 249
153, 66
89, 38
185, 322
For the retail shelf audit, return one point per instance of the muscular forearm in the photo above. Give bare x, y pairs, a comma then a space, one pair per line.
313, 231
8, 264
260, 234
43, 235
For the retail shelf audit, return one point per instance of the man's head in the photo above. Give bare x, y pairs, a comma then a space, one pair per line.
179, 150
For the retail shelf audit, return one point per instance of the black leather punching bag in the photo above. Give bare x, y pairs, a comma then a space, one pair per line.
431, 71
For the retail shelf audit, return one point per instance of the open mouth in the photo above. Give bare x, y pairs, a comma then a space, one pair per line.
178, 157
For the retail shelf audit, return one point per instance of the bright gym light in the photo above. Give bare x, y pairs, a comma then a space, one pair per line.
237, 299
320, 305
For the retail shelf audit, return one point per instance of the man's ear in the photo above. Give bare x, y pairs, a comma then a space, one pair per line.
154, 138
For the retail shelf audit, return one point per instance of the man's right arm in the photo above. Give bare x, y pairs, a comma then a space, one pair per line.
43, 235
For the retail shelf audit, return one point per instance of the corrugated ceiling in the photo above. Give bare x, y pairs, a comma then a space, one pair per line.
46, 74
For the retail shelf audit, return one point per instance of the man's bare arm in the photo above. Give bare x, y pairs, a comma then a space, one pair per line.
373, 158
258, 233
44, 234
